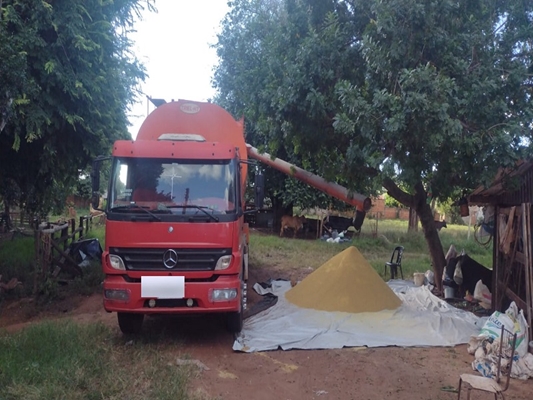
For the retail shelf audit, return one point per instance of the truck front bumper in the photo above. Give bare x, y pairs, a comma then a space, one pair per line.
121, 295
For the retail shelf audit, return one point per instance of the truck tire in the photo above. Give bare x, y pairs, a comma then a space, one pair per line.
130, 323
235, 320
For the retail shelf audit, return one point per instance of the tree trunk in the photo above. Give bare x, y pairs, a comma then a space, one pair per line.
413, 220
418, 201
431, 235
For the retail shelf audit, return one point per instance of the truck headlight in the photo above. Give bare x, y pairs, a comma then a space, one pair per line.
116, 262
223, 262
117, 294
222, 295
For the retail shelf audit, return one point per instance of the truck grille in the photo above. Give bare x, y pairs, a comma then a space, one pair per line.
153, 259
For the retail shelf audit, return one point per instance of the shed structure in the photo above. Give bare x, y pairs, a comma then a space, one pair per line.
510, 196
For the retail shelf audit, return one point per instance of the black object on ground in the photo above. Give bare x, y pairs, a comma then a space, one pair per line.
87, 249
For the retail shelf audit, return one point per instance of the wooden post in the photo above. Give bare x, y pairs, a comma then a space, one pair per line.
81, 227
46, 253
63, 236
526, 237
508, 270
374, 226
495, 263
72, 225
38, 258
469, 223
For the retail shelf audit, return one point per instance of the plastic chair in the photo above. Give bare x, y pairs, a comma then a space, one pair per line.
503, 369
395, 263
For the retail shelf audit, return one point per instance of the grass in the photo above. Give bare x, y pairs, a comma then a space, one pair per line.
63, 360
271, 250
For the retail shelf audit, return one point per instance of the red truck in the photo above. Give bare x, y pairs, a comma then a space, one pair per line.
176, 241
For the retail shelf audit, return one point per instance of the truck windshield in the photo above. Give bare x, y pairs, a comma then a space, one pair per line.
171, 186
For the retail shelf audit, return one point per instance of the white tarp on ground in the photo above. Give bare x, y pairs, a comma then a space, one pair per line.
422, 320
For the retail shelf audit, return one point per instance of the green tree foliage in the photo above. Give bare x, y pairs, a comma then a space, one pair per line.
391, 201
67, 81
424, 98
278, 71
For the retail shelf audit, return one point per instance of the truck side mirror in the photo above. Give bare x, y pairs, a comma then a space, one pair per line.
95, 182
259, 190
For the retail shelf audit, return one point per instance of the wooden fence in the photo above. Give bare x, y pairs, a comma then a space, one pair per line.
52, 241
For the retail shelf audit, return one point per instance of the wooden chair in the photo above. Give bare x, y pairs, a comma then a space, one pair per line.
395, 262
506, 352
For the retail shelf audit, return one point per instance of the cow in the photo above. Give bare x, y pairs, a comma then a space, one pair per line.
341, 224
471, 271
295, 223
440, 224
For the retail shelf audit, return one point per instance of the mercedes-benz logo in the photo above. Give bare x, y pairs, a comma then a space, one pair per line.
170, 258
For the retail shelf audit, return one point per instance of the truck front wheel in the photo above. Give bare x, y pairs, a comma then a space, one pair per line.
130, 323
235, 321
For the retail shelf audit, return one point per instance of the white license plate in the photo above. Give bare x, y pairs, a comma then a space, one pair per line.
163, 287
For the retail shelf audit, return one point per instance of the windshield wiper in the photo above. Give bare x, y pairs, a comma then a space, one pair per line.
133, 205
201, 208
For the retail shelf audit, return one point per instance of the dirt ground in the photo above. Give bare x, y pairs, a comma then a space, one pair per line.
350, 373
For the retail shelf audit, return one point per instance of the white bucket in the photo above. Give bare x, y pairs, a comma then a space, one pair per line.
449, 292
418, 278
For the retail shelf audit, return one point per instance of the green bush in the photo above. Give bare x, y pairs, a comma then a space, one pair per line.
17, 261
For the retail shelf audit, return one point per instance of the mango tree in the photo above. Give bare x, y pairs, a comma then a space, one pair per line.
423, 98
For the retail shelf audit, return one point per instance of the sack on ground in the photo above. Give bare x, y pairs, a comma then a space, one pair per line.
520, 328
482, 293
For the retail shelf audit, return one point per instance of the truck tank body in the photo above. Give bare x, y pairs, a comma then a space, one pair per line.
206, 119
